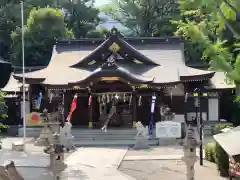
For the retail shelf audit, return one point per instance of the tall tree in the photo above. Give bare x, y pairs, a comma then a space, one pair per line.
44, 26
10, 19
145, 17
82, 16
213, 26
83, 20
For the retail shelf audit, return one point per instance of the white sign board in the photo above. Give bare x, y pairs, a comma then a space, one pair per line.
168, 129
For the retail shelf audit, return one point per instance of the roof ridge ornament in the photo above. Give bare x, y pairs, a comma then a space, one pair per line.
110, 62
114, 31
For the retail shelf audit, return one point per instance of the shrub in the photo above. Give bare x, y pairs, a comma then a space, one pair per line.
3, 127
221, 159
220, 126
210, 152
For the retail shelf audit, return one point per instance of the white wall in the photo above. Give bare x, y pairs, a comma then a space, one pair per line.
213, 109
27, 107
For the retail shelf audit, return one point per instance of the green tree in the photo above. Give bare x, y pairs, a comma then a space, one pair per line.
82, 17
44, 26
10, 19
2, 106
98, 33
145, 17
212, 25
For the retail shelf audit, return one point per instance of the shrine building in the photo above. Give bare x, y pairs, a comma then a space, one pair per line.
131, 69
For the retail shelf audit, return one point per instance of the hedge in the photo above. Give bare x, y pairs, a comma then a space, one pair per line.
210, 152
221, 159
220, 126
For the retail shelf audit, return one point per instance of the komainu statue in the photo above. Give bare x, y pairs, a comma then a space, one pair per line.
141, 136
141, 130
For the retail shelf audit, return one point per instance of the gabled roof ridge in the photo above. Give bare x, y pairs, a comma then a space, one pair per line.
131, 40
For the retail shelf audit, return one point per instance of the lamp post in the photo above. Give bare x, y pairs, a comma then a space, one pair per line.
198, 120
23, 77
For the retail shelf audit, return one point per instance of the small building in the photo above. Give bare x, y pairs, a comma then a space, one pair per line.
133, 69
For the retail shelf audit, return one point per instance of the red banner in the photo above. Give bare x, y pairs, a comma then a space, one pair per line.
73, 107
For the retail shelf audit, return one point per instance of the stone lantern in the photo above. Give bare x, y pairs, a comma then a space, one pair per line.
190, 143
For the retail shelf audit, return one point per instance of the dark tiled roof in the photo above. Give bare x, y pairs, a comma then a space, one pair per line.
167, 54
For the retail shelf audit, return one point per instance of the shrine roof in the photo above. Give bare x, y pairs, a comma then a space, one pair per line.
13, 85
162, 61
219, 81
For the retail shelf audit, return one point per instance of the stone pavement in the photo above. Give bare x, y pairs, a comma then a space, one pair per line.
102, 163
167, 170
156, 153
95, 164
164, 163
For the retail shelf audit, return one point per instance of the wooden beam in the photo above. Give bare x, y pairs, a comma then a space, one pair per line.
134, 109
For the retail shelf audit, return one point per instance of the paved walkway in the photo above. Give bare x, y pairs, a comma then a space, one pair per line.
95, 164
168, 170
157, 153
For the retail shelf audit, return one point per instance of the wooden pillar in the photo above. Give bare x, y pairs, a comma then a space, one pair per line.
90, 109
134, 108
185, 103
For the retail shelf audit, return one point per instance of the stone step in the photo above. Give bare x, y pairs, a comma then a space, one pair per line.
111, 143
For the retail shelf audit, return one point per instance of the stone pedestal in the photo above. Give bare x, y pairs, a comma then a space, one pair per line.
56, 152
45, 137
190, 158
141, 142
18, 146
66, 138
57, 165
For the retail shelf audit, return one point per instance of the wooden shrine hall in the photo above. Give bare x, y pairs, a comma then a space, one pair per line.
130, 70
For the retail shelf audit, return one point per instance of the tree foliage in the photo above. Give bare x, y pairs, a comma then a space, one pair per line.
212, 26
145, 17
82, 18
44, 26
3, 106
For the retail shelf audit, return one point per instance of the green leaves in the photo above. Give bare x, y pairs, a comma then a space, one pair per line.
82, 18
44, 26
42, 29
3, 106
211, 33
145, 17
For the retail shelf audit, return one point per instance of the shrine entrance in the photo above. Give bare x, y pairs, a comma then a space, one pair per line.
112, 104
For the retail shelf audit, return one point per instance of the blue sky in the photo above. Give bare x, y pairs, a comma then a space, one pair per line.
101, 2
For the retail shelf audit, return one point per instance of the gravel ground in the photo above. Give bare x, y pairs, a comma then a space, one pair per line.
167, 170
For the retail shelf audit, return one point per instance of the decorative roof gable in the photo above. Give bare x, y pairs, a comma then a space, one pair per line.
115, 44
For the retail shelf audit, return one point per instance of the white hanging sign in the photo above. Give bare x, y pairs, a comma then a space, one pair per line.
153, 104
168, 129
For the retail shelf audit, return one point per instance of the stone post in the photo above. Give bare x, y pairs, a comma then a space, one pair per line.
56, 152
190, 144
